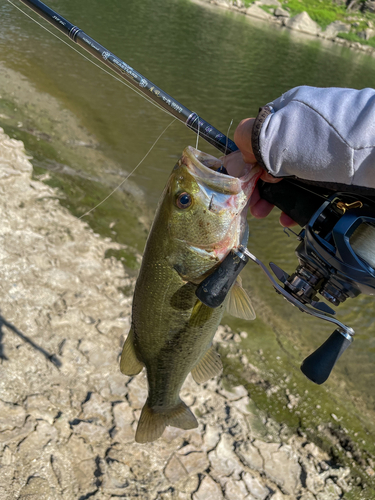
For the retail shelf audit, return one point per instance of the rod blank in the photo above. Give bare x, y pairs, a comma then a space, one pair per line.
181, 112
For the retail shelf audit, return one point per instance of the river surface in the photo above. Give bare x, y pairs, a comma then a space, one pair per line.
86, 131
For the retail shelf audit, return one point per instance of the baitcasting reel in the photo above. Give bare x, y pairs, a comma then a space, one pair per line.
336, 257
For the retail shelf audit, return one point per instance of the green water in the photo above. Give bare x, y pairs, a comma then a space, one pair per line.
87, 131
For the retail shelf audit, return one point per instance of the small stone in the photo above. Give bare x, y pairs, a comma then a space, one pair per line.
303, 22
18, 433
243, 405
280, 465
174, 434
370, 471
333, 29
211, 436
256, 11
91, 433
244, 335
223, 3
137, 391
40, 407
366, 34
279, 12
85, 474
175, 471
123, 419
194, 462
235, 490
223, 459
234, 393
31, 447
36, 488
279, 496
116, 479
273, 3
208, 490
117, 384
237, 338
249, 455
11, 415
7, 457
256, 488
97, 410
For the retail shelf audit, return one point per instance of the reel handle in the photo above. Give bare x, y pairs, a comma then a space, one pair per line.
318, 366
213, 290
296, 201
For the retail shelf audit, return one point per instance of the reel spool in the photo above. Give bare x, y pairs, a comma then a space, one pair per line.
336, 257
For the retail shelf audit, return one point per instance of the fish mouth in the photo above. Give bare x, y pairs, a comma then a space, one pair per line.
217, 186
204, 167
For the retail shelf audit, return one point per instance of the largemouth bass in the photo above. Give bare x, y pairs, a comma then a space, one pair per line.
201, 216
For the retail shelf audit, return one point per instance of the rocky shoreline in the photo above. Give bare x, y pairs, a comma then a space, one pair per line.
301, 23
67, 414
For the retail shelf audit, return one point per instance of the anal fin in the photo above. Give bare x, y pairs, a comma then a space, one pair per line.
130, 364
239, 303
209, 366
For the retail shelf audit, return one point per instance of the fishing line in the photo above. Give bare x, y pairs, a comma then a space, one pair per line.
199, 126
226, 144
202, 133
91, 61
127, 177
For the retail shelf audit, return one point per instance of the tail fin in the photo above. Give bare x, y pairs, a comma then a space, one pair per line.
153, 421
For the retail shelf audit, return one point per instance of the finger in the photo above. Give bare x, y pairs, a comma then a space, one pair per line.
255, 197
242, 138
266, 177
261, 209
287, 221
234, 164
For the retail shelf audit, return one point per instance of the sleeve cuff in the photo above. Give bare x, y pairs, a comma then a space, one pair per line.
255, 137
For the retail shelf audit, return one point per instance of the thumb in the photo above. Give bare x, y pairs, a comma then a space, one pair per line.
242, 138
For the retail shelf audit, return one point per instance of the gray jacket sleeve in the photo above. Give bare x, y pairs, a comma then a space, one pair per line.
319, 134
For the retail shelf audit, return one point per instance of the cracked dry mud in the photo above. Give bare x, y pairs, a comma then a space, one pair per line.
67, 414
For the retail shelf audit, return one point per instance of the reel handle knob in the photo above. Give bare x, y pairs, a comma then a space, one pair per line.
213, 290
318, 366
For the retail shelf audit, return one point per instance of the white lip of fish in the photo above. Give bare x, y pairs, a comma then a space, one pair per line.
216, 186
204, 166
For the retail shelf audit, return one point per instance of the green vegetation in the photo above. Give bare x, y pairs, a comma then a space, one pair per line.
352, 37
325, 12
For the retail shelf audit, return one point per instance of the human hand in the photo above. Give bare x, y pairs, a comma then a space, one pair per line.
259, 207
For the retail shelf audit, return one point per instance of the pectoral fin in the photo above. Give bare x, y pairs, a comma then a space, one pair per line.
130, 364
209, 366
200, 314
239, 303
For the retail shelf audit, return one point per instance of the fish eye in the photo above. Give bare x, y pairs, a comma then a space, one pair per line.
183, 200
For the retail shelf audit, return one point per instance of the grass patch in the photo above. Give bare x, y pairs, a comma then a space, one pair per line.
322, 12
353, 37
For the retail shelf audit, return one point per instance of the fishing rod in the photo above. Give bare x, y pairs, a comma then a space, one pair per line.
290, 195
191, 119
